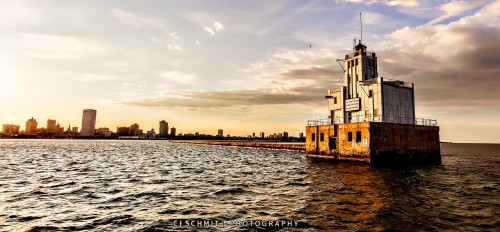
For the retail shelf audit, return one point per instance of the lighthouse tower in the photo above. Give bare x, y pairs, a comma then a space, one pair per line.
366, 96
372, 118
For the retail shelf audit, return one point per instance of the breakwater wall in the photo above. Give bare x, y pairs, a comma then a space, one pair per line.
277, 145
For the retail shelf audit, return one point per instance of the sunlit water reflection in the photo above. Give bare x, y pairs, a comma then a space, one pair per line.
145, 185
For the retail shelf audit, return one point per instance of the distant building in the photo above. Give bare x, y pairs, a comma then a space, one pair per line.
163, 128
88, 122
220, 133
59, 129
31, 126
285, 135
74, 130
301, 135
151, 133
253, 135
172, 131
122, 131
103, 131
10, 129
51, 126
262, 135
197, 133
134, 130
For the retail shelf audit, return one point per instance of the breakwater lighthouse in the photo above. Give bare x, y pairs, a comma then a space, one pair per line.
371, 118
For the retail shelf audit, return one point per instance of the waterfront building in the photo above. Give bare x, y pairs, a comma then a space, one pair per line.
134, 130
31, 126
151, 133
74, 130
59, 129
220, 133
163, 129
51, 126
285, 135
103, 132
88, 122
301, 135
122, 131
10, 129
372, 118
173, 131
262, 135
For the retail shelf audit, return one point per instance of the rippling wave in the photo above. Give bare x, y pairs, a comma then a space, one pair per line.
67, 185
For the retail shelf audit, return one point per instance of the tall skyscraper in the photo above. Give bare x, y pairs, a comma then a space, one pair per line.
163, 128
172, 131
262, 135
51, 126
31, 125
88, 122
220, 133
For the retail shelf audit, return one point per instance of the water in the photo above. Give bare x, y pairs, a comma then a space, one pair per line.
67, 185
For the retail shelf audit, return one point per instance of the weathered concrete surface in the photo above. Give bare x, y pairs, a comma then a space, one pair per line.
288, 146
375, 142
414, 144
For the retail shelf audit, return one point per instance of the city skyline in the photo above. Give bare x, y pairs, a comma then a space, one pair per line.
89, 117
241, 66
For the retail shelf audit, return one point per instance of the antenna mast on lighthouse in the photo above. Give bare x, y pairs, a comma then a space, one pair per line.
361, 23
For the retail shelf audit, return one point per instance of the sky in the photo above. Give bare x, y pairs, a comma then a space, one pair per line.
243, 66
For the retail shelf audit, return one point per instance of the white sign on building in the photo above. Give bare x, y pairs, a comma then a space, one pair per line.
352, 104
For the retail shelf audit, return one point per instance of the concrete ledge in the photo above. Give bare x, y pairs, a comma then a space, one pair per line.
286, 146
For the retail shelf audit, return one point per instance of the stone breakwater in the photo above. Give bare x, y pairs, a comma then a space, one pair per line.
277, 145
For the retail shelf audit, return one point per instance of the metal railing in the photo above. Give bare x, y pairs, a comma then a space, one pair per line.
354, 54
374, 118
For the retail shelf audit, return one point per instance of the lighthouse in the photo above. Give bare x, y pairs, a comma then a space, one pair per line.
372, 118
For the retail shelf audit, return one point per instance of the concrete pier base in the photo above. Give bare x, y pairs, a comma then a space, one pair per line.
375, 142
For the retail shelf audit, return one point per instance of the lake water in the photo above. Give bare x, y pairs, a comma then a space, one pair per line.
67, 185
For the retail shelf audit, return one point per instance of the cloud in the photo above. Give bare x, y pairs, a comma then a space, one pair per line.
172, 43
208, 21
178, 77
228, 98
453, 65
18, 13
138, 21
94, 77
215, 29
60, 47
289, 77
403, 3
455, 8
